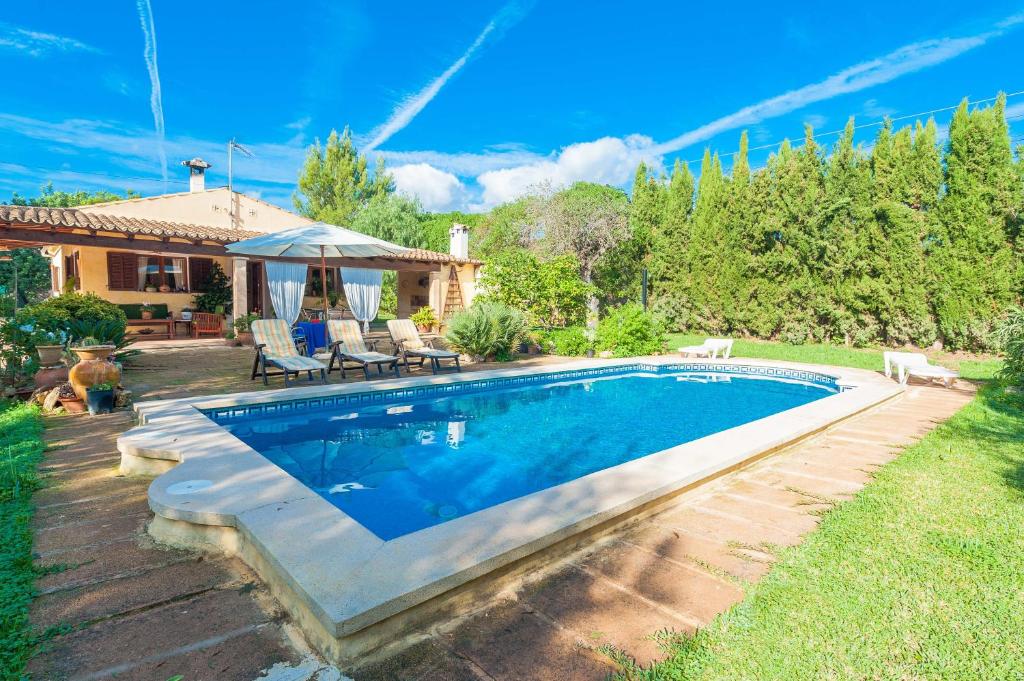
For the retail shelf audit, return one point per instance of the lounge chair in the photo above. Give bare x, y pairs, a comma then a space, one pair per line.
275, 347
409, 344
710, 348
347, 345
909, 364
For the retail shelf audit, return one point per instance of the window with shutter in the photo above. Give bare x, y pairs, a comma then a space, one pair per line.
122, 271
199, 271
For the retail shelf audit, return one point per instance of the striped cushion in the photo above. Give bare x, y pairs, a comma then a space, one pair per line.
404, 331
276, 337
346, 332
297, 363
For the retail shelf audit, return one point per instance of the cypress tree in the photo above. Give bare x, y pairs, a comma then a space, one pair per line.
706, 290
974, 273
671, 241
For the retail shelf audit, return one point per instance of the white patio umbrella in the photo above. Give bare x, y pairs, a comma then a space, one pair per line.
318, 240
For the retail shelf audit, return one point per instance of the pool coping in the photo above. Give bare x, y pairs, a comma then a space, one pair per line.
344, 579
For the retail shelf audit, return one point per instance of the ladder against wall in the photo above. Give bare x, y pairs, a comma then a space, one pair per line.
453, 301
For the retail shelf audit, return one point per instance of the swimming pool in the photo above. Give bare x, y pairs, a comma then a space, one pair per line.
448, 489
408, 464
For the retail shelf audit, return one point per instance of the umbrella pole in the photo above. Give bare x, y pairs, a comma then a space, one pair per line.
323, 280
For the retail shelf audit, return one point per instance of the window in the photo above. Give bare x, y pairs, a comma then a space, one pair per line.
139, 271
199, 272
122, 271
161, 272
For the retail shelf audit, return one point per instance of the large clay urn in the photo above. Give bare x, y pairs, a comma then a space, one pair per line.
93, 368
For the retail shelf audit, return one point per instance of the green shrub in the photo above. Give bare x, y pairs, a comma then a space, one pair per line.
551, 292
629, 331
57, 313
487, 330
1010, 333
571, 341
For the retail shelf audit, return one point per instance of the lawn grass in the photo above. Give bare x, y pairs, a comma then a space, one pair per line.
921, 576
970, 367
21, 449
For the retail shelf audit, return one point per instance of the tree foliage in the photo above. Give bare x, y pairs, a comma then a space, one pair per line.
335, 181
905, 244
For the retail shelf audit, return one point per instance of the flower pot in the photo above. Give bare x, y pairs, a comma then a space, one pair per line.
50, 355
146, 314
50, 377
72, 405
186, 315
245, 337
424, 328
99, 401
164, 288
93, 368
151, 289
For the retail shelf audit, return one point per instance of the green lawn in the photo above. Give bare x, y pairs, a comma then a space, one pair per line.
21, 449
921, 576
973, 367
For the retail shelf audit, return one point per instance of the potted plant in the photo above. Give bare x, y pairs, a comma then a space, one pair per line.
146, 311
150, 288
99, 398
243, 328
164, 288
72, 403
186, 313
50, 347
424, 319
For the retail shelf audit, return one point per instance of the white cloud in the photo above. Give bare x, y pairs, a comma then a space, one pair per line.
436, 190
609, 160
411, 107
38, 44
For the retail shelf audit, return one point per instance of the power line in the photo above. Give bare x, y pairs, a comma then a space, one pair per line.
773, 145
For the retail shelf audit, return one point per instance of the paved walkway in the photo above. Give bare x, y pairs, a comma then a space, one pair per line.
138, 611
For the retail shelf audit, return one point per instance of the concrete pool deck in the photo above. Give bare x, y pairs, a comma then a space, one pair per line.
216, 621
352, 593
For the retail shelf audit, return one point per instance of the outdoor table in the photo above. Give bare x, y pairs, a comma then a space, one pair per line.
316, 335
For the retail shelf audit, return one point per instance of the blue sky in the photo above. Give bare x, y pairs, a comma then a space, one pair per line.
470, 103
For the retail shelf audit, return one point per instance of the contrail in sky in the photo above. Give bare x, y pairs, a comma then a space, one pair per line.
155, 99
412, 106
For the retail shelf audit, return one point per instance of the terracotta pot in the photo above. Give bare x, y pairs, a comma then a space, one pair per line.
424, 328
146, 314
50, 355
164, 288
51, 377
245, 337
73, 405
93, 368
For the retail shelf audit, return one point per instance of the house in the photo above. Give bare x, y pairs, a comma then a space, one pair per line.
161, 249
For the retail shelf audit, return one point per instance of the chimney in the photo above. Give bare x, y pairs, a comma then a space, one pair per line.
196, 174
459, 244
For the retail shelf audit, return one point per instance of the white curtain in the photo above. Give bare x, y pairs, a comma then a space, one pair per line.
286, 282
362, 291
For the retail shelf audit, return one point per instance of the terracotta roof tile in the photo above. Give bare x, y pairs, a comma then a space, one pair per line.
76, 219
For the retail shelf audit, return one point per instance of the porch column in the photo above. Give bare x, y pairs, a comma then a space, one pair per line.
239, 287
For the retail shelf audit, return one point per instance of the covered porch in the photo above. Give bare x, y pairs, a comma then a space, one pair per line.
131, 261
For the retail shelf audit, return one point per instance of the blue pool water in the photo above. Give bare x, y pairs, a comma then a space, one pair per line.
409, 464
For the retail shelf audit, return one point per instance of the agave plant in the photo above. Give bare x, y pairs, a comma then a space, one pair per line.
104, 332
487, 330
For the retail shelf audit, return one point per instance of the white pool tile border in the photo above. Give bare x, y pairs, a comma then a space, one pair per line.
349, 578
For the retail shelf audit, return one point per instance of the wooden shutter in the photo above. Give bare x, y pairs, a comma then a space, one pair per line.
122, 271
199, 271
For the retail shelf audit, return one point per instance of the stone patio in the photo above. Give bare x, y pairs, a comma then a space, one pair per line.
138, 611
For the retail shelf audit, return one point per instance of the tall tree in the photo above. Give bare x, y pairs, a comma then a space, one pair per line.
586, 220
974, 272
619, 273
335, 182
669, 244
